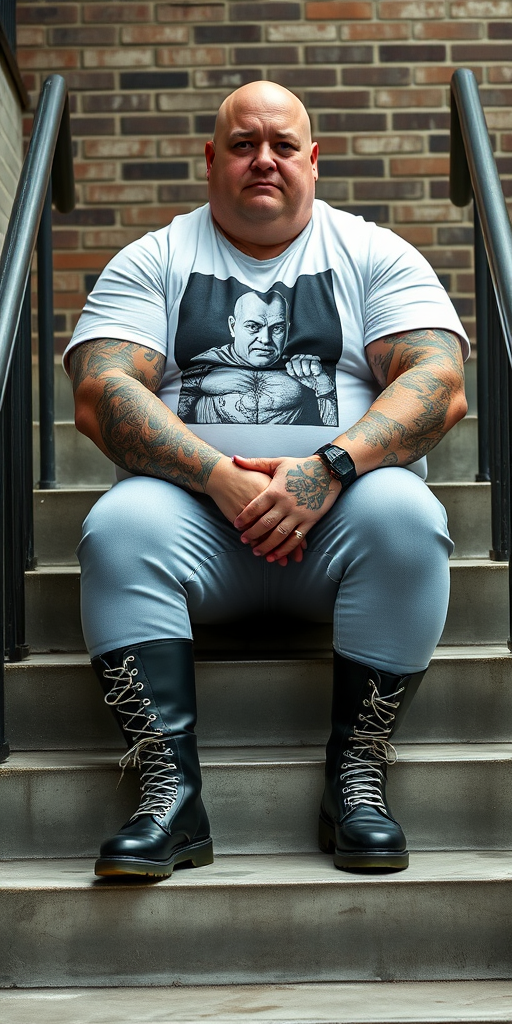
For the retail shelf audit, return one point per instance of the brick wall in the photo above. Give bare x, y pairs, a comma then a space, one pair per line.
146, 78
10, 146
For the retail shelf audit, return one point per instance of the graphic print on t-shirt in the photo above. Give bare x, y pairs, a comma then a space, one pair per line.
248, 356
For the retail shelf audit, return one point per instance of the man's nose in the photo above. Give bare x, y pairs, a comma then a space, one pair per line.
264, 157
264, 334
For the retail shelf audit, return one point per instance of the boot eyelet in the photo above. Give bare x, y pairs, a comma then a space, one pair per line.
146, 701
134, 672
130, 658
140, 686
151, 718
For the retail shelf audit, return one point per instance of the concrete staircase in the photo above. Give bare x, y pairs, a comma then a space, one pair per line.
285, 936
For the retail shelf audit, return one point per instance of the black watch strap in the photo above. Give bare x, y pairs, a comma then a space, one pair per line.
339, 463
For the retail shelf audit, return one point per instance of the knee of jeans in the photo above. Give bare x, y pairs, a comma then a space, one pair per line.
395, 512
119, 523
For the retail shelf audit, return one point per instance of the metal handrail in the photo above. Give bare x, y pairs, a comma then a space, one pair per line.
474, 175
47, 171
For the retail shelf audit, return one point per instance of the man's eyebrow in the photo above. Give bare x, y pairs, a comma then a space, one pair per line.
239, 133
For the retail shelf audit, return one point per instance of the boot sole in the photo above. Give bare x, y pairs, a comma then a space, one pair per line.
363, 858
197, 855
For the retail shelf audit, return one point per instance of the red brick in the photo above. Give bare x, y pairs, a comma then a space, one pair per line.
89, 171
268, 11
82, 260
496, 97
296, 77
339, 54
412, 9
113, 102
148, 34
332, 144
500, 30
66, 281
101, 36
46, 14
118, 237
339, 10
71, 300
182, 193
416, 234
448, 258
155, 125
428, 212
376, 76
409, 98
483, 52
119, 148
185, 56
388, 190
500, 75
338, 99
80, 81
116, 13
376, 31
506, 143
301, 33
119, 193
265, 55
192, 12
186, 146
439, 76
118, 58
48, 60
92, 126
481, 9
369, 145
413, 54
423, 166
147, 216
65, 239
465, 282
30, 36
421, 121
448, 30
228, 78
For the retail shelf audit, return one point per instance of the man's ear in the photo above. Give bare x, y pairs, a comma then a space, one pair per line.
209, 152
231, 325
314, 159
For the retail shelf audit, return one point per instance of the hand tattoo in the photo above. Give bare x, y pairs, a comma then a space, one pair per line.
310, 483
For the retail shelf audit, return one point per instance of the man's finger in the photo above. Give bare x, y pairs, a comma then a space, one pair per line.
281, 541
252, 513
259, 465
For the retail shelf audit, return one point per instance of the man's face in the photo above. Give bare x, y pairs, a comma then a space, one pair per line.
262, 166
259, 329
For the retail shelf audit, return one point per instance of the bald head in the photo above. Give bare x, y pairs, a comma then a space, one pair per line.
259, 96
261, 168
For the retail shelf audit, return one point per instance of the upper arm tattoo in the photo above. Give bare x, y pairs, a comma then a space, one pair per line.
393, 355
92, 359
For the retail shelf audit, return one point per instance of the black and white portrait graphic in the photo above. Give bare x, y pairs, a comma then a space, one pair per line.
264, 357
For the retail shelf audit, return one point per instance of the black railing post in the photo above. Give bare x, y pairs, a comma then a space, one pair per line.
4, 746
498, 437
482, 297
46, 348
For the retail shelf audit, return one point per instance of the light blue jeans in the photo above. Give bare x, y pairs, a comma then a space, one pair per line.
155, 559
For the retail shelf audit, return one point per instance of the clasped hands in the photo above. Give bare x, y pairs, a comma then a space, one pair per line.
269, 499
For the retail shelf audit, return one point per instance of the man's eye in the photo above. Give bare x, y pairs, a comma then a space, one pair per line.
242, 145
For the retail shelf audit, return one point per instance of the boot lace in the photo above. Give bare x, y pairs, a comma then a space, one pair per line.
363, 774
159, 790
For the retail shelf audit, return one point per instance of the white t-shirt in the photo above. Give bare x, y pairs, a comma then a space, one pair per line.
232, 328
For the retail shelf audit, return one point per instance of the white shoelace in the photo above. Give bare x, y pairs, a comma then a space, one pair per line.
159, 791
363, 774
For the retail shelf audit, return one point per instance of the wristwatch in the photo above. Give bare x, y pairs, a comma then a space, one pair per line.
339, 464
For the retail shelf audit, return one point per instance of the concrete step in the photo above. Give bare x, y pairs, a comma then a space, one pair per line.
258, 919
260, 800
478, 614
370, 1002
80, 464
59, 514
54, 702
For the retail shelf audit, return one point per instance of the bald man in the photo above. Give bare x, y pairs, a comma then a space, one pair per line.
248, 514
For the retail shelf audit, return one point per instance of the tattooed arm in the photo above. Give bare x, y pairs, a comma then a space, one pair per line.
422, 378
114, 384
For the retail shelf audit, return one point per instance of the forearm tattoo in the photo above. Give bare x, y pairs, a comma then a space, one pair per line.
309, 483
134, 424
419, 370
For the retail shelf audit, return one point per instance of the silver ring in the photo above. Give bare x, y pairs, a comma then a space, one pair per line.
298, 534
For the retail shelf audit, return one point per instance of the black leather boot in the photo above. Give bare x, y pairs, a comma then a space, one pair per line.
356, 823
151, 689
